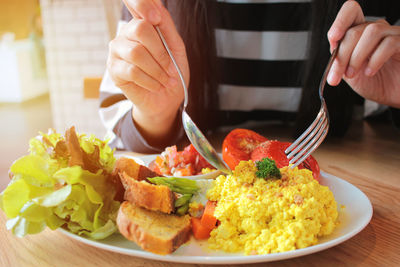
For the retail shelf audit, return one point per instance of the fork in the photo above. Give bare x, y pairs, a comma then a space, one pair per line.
310, 140
194, 134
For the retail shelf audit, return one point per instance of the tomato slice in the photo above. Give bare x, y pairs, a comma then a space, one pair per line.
275, 150
239, 144
272, 149
312, 164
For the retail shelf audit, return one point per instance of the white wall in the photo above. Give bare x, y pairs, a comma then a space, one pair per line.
76, 38
20, 77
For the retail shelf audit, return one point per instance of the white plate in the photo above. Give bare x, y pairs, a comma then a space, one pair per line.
353, 218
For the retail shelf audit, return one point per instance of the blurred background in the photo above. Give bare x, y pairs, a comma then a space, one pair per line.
52, 57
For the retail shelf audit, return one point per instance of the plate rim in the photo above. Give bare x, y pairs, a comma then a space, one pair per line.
235, 258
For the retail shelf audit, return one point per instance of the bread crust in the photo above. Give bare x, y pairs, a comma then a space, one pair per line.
145, 216
172, 231
133, 178
147, 195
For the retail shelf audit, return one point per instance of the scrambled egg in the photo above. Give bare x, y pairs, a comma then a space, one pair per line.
261, 216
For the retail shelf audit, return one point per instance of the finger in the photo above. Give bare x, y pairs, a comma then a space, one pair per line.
158, 3
343, 56
145, 33
135, 15
123, 72
349, 15
133, 92
171, 35
136, 54
148, 10
370, 39
386, 49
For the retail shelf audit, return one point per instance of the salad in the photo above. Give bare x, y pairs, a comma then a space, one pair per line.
187, 162
65, 181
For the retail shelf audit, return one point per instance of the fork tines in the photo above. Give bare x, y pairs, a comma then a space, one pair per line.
310, 139
317, 131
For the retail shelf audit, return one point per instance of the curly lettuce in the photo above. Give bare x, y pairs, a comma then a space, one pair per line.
64, 182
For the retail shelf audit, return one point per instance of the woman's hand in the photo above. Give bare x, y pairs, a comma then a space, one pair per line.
369, 55
139, 64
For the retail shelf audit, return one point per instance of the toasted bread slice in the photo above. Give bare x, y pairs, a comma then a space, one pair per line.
153, 231
133, 169
147, 195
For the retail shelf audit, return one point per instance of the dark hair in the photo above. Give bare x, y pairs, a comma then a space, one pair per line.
194, 20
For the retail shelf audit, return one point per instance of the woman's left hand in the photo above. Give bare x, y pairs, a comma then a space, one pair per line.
369, 55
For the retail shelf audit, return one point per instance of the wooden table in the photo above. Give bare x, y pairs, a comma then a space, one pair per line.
369, 158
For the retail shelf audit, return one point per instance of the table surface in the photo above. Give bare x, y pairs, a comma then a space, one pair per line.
368, 157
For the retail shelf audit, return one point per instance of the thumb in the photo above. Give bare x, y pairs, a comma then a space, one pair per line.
145, 9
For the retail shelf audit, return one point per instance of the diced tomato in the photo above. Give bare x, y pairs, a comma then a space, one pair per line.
159, 161
188, 170
239, 144
171, 155
180, 163
189, 154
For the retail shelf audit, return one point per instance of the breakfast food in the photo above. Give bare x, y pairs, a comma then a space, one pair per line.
156, 232
239, 144
133, 169
275, 150
138, 191
268, 215
172, 162
150, 216
147, 195
243, 144
263, 207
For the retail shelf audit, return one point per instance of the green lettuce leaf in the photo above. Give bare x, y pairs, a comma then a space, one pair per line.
34, 169
46, 192
14, 197
54, 198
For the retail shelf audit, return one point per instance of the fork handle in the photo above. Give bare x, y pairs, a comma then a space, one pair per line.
326, 72
175, 64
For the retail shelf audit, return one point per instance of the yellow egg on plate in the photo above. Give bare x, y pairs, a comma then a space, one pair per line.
261, 216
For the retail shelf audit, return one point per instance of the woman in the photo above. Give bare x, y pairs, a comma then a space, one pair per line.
222, 77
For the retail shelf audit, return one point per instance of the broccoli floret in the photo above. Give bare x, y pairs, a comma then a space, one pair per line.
267, 169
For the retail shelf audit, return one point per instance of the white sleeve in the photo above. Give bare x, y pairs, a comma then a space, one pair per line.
113, 107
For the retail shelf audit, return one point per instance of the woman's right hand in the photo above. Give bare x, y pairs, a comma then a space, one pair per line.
139, 64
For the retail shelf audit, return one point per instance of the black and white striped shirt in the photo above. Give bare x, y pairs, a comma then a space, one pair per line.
261, 49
